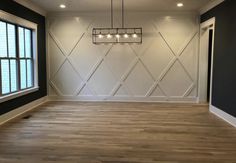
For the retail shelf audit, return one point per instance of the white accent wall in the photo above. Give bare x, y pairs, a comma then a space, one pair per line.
163, 68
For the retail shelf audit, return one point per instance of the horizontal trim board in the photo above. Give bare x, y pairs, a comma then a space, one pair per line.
21, 110
223, 115
17, 20
18, 94
123, 99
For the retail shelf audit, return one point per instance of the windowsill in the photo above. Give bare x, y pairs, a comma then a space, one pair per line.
18, 94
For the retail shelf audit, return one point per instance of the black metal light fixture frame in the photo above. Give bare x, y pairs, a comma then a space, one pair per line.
117, 35
113, 32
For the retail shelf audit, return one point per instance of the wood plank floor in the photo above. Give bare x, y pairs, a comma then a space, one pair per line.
71, 132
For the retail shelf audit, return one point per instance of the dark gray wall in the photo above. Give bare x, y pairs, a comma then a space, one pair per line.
14, 8
224, 68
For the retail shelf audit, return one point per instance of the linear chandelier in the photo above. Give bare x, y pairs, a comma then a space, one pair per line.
117, 35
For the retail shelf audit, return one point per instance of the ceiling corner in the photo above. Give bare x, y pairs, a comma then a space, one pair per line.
209, 6
31, 5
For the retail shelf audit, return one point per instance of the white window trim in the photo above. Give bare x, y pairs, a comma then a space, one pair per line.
18, 94
25, 23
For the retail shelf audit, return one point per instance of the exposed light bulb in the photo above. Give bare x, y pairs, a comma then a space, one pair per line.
180, 4
109, 36
126, 35
100, 36
135, 35
62, 6
117, 36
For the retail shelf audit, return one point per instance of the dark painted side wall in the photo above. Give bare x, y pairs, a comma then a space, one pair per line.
14, 8
224, 68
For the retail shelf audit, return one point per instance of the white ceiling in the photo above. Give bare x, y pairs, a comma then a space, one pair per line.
130, 5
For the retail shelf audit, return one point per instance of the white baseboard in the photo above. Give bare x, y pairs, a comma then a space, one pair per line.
123, 99
223, 115
21, 110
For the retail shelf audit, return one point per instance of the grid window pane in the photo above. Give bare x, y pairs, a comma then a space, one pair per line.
28, 43
11, 40
23, 75
29, 74
3, 38
13, 66
5, 76
16, 58
21, 42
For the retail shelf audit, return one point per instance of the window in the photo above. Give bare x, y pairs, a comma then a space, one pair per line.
17, 58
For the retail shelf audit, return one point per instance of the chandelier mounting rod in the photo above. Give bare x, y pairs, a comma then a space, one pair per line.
112, 14
123, 16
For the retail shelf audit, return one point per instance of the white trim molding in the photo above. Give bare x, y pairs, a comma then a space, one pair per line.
82, 71
191, 100
18, 94
223, 115
22, 110
208, 23
210, 6
204, 58
30, 5
17, 20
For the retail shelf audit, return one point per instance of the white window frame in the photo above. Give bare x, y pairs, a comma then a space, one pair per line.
25, 23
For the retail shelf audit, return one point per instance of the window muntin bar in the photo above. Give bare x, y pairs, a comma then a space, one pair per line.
16, 58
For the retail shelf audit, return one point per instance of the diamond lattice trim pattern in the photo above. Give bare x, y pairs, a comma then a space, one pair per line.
163, 68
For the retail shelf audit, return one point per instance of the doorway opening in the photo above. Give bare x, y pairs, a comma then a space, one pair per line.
209, 63
206, 57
